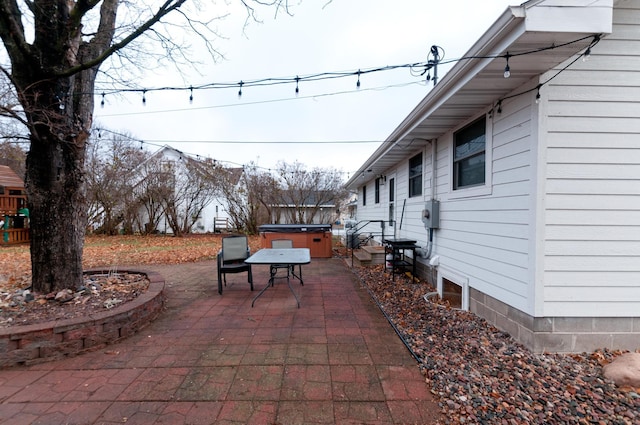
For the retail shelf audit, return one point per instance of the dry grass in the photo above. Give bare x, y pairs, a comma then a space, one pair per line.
116, 251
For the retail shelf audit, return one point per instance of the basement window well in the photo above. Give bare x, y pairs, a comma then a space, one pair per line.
454, 289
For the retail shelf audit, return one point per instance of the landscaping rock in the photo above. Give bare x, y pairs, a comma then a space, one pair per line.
483, 376
624, 370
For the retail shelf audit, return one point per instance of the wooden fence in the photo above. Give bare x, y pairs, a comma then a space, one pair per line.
13, 236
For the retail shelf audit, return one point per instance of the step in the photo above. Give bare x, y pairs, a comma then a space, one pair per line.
376, 252
362, 256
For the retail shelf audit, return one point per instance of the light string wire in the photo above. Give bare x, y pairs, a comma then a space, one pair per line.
498, 105
261, 102
424, 67
315, 77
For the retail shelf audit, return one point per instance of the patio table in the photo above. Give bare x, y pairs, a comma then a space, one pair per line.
289, 256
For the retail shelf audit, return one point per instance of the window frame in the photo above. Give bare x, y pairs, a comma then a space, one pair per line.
376, 196
480, 189
417, 177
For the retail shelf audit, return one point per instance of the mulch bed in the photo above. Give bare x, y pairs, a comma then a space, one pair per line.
100, 292
483, 376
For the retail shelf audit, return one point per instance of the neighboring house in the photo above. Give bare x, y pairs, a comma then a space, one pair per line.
539, 206
308, 208
172, 163
14, 215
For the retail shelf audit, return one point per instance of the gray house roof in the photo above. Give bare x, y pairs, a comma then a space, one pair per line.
554, 30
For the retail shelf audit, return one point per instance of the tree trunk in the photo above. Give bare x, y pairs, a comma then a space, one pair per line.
57, 209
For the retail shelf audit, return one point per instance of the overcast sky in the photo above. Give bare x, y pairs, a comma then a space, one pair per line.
327, 123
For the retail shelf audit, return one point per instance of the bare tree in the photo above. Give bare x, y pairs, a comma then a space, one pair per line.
111, 165
194, 189
310, 196
300, 196
155, 182
247, 192
54, 62
13, 156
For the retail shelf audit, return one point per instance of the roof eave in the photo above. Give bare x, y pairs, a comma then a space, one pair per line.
534, 24
510, 22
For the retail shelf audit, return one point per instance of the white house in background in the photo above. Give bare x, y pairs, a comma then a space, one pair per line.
214, 216
537, 176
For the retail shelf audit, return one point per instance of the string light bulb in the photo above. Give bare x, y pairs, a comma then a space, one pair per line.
297, 88
102, 101
538, 94
240, 84
358, 82
191, 95
499, 106
587, 53
507, 68
144, 97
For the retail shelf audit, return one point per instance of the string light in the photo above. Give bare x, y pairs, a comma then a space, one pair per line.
507, 69
144, 97
596, 40
297, 88
191, 95
102, 101
416, 68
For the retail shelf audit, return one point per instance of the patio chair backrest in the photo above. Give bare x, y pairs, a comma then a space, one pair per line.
234, 248
282, 243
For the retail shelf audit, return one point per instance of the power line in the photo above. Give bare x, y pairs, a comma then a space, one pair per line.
165, 143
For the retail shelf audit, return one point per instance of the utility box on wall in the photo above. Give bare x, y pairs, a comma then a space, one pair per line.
431, 214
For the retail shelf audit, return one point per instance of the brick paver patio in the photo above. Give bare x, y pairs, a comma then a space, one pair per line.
215, 359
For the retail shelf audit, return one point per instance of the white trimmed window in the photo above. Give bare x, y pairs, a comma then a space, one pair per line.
415, 175
469, 155
453, 288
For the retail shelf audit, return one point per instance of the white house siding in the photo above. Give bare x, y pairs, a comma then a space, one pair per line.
407, 211
592, 207
485, 238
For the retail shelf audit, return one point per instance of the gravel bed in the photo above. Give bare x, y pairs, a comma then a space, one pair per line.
483, 376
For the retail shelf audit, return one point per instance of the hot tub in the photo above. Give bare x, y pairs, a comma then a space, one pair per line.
316, 237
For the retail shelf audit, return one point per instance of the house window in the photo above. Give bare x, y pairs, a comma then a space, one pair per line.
469, 155
364, 195
415, 175
452, 293
454, 289
377, 191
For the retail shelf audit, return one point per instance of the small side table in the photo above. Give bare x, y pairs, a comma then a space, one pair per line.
400, 262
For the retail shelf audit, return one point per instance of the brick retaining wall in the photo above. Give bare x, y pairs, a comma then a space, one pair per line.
30, 344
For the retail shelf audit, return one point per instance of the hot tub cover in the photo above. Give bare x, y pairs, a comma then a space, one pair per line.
294, 228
